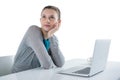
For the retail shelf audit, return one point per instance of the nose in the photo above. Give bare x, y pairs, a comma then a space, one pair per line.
47, 20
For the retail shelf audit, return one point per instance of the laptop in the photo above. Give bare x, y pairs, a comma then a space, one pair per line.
98, 63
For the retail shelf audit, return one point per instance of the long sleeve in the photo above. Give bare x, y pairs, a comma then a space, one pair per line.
32, 52
55, 52
34, 40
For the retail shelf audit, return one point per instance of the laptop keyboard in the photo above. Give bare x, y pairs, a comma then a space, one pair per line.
83, 71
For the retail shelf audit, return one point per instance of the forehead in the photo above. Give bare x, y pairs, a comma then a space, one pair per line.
49, 11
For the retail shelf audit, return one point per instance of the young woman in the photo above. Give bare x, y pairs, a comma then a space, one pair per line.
39, 47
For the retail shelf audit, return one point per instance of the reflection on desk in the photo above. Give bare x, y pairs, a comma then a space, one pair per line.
112, 72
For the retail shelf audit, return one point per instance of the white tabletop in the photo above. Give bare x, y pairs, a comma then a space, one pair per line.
112, 72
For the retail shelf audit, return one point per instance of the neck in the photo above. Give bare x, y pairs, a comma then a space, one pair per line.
44, 34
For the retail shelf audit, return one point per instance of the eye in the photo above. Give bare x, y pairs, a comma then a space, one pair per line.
52, 17
43, 16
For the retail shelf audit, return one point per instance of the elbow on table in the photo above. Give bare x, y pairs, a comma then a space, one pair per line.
47, 66
60, 64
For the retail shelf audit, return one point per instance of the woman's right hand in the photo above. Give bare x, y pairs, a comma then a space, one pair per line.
52, 31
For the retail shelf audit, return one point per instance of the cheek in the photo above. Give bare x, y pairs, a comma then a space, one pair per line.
41, 21
53, 23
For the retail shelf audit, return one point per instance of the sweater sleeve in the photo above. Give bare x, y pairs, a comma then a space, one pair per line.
55, 52
34, 40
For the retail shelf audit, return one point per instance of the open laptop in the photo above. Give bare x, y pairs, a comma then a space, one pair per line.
99, 60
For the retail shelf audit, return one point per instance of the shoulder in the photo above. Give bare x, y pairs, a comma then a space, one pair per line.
34, 27
34, 31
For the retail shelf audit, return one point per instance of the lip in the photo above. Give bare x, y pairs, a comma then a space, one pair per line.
47, 25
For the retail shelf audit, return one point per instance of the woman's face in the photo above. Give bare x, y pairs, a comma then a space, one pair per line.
49, 19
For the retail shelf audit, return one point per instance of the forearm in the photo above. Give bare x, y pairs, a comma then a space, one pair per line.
57, 57
56, 54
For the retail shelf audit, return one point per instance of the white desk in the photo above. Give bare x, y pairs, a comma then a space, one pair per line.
112, 72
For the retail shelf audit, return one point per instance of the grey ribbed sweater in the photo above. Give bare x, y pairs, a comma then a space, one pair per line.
32, 52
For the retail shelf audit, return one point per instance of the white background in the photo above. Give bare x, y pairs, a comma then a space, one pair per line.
83, 21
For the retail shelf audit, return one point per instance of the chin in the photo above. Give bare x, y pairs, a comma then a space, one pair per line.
46, 30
